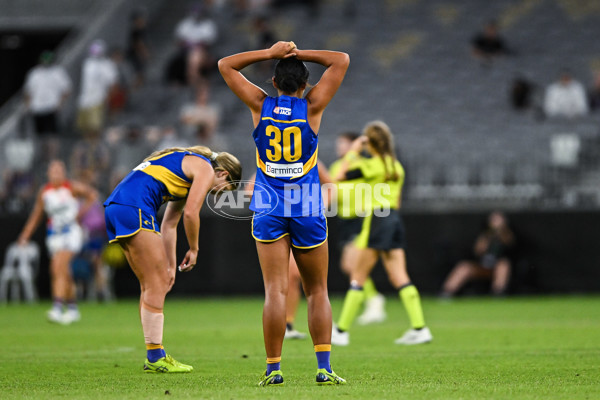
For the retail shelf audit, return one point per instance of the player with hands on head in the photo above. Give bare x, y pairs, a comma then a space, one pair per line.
286, 139
180, 177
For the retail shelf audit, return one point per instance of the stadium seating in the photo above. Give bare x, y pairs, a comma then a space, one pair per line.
460, 141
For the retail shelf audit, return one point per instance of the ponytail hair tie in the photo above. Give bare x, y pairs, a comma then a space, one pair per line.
214, 156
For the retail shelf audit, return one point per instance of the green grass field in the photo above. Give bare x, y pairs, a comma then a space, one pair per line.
516, 348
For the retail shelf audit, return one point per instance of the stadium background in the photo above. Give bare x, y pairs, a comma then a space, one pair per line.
466, 151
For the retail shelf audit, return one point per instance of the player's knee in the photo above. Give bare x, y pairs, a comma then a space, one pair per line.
315, 289
276, 290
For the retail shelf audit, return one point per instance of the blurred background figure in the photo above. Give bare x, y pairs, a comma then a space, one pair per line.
98, 75
201, 115
138, 53
196, 34
99, 277
521, 93
594, 93
565, 97
349, 226
58, 199
491, 259
118, 93
47, 87
488, 44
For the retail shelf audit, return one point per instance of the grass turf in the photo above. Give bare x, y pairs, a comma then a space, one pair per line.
515, 348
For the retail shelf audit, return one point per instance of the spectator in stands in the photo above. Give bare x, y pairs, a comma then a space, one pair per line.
565, 98
98, 75
47, 86
201, 113
195, 35
521, 93
137, 49
594, 93
263, 37
488, 44
118, 92
170, 138
491, 259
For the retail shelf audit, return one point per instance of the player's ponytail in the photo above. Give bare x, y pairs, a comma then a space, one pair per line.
382, 142
290, 75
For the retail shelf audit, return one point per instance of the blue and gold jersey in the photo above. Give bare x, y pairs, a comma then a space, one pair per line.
287, 179
154, 182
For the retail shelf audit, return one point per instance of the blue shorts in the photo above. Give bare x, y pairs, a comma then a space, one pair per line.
305, 232
125, 221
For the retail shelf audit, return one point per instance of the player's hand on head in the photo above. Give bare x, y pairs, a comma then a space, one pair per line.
282, 49
189, 261
359, 143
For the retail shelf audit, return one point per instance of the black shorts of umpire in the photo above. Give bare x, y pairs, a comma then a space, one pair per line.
382, 232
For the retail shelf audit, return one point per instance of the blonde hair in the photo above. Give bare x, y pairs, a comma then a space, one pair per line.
381, 141
221, 161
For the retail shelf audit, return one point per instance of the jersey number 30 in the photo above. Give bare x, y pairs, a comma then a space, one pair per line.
281, 143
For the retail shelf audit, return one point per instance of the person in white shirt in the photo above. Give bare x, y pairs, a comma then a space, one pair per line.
58, 200
196, 34
98, 75
47, 86
566, 98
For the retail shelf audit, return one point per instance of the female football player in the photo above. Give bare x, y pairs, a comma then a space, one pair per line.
349, 225
294, 278
287, 203
181, 177
382, 233
59, 200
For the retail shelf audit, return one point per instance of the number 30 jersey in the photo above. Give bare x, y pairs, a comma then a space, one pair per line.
287, 179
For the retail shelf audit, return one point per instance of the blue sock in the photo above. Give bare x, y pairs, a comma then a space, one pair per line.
273, 367
323, 360
155, 354
72, 305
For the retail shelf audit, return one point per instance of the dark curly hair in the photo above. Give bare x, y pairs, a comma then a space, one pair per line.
290, 74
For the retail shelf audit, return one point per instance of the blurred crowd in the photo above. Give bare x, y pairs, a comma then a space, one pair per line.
566, 97
100, 148
85, 120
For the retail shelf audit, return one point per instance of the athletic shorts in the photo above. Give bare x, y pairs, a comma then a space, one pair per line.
382, 233
305, 232
125, 221
348, 230
69, 238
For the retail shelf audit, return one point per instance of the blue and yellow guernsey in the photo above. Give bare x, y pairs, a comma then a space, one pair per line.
287, 178
154, 182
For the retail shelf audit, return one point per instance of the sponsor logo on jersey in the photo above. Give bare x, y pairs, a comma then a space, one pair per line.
282, 111
284, 170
